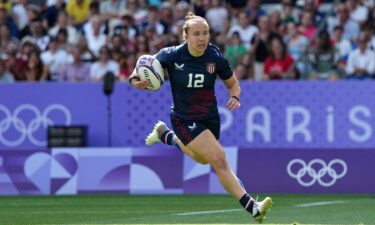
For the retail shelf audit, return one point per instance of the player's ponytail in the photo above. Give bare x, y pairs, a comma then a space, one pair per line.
189, 16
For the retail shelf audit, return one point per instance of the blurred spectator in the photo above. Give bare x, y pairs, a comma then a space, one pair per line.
371, 17
35, 70
103, 65
86, 54
143, 45
296, 44
200, 7
112, 9
6, 38
96, 38
39, 4
279, 63
361, 61
276, 25
5, 19
312, 6
120, 58
32, 15
63, 23
116, 44
324, 59
351, 28
78, 10
248, 61
128, 44
246, 30
53, 12
235, 50
87, 27
14, 62
260, 46
75, 71
6, 4
172, 40
217, 16
238, 4
358, 12
53, 2
37, 35
288, 13
153, 21
54, 58
254, 11
138, 9
5, 76
127, 70
307, 27
181, 10
19, 13
343, 46
369, 32
154, 2
62, 40
126, 23
241, 72
368, 3
166, 16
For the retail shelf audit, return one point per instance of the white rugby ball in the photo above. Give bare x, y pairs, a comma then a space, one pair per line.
149, 68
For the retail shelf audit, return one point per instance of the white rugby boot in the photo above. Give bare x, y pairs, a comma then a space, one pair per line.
153, 137
261, 208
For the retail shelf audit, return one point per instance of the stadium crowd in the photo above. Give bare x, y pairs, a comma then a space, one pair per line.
81, 40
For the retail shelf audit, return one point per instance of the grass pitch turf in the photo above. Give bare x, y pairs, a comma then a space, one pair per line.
183, 209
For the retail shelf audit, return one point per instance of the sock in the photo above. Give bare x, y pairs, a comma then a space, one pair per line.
248, 203
167, 138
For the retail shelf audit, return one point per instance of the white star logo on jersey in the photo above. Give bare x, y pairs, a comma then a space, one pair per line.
192, 127
179, 67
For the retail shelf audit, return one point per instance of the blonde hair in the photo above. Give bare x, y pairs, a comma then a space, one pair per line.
188, 18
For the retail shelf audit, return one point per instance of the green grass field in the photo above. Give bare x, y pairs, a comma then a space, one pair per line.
183, 209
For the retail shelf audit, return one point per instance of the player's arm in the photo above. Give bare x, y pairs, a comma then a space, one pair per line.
136, 82
234, 90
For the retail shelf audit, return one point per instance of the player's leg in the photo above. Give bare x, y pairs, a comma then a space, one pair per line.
209, 149
188, 151
161, 133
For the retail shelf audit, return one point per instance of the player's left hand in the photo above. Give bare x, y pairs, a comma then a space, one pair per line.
233, 103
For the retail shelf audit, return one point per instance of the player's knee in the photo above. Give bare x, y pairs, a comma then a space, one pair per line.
218, 160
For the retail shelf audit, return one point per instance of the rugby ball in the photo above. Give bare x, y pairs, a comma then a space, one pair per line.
149, 68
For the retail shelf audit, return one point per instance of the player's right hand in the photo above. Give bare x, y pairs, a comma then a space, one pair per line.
138, 83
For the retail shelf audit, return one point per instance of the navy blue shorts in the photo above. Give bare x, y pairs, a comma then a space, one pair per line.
187, 130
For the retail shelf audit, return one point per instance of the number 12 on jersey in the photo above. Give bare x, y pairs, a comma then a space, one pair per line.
195, 80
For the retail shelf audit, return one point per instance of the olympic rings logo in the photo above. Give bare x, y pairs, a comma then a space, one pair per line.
321, 170
26, 129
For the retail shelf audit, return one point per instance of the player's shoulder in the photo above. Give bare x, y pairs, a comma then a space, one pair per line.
214, 50
171, 50
168, 54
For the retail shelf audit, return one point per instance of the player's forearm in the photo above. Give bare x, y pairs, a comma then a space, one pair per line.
233, 87
235, 90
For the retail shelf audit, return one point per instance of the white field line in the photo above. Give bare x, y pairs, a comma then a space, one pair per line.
206, 212
320, 203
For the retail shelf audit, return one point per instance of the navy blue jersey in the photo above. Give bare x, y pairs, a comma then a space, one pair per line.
193, 80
